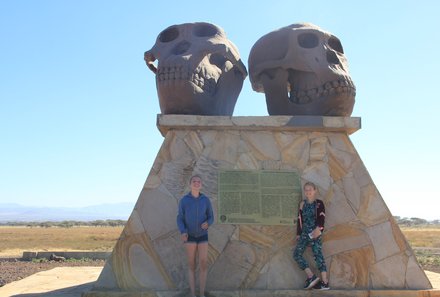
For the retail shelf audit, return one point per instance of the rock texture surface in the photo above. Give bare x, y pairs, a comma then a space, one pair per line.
363, 246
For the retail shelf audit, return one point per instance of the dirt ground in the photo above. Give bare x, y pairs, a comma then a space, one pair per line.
16, 269
432, 268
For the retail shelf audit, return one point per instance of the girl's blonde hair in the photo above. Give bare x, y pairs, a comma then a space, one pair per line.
310, 184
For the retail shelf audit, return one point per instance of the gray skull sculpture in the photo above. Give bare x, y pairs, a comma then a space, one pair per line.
303, 71
199, 70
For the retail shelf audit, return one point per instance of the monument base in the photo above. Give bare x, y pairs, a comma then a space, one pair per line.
364, 249
273, 293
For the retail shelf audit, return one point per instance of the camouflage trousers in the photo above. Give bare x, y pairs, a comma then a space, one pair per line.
316, 246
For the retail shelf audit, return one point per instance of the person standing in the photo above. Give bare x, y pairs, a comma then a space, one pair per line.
194, 217
310, 225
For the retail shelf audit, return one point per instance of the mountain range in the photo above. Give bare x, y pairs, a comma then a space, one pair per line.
12, 212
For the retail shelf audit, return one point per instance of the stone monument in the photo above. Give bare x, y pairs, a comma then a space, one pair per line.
246, 164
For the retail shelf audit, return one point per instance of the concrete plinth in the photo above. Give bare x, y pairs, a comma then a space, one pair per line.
276, 293
364, 248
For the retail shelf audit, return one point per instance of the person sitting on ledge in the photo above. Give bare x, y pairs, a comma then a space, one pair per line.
310, 225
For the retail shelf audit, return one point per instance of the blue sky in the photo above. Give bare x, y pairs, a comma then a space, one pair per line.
78, 105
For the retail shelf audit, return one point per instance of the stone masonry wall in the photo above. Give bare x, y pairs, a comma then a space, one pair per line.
363, 246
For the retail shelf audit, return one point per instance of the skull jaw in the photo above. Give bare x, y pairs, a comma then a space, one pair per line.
185, 97
323, 100
330, 105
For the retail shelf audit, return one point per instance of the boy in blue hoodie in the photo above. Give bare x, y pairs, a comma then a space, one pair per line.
194, 217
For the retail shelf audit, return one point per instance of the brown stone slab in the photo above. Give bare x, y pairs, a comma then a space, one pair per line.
348, 125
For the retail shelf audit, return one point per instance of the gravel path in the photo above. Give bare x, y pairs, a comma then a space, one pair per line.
16, 269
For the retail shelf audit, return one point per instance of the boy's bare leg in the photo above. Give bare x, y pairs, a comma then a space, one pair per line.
191, 249
203, 265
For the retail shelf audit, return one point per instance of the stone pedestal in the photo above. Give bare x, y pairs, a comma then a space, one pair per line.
364, 248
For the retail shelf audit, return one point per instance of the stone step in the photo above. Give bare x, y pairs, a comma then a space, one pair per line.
273, 293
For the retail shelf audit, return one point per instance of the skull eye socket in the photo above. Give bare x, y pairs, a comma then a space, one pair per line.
205, 30
308, 40
168, 34
335, 44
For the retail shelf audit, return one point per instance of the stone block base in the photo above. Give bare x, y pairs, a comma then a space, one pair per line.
362, 244
273, 293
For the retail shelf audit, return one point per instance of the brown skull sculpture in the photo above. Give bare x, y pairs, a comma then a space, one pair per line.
199, 70
303, 71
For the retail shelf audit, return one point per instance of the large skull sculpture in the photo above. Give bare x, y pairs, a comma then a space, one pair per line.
303, 71
199, 70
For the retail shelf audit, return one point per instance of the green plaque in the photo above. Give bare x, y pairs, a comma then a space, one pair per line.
263, 197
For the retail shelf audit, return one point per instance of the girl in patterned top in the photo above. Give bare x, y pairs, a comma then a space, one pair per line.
310, 225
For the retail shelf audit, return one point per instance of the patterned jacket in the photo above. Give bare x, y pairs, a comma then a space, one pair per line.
320, 216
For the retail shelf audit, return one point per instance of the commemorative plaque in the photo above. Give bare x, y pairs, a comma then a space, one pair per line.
258, 197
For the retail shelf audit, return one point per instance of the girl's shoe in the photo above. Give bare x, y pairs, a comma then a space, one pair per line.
311, 282
321, 286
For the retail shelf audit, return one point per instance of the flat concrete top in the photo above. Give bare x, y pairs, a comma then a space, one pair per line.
57, 282
347, 125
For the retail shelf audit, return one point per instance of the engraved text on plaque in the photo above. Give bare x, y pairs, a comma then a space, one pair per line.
258, 197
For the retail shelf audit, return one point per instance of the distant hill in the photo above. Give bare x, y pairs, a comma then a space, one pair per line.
12, 212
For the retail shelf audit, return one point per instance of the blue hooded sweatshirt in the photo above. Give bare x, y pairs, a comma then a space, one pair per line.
193, 212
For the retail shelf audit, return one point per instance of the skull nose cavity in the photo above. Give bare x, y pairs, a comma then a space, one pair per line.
332, 58
181, 48
217, 60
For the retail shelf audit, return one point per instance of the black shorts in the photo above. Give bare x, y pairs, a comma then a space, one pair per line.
201, 239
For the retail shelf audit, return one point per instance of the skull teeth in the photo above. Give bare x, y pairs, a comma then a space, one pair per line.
329, 88
167, 75
171, 73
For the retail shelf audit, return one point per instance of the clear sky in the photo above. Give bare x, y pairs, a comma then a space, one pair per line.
78, 105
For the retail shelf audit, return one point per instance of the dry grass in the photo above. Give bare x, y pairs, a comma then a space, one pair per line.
15, 240
422, 237
426, 244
